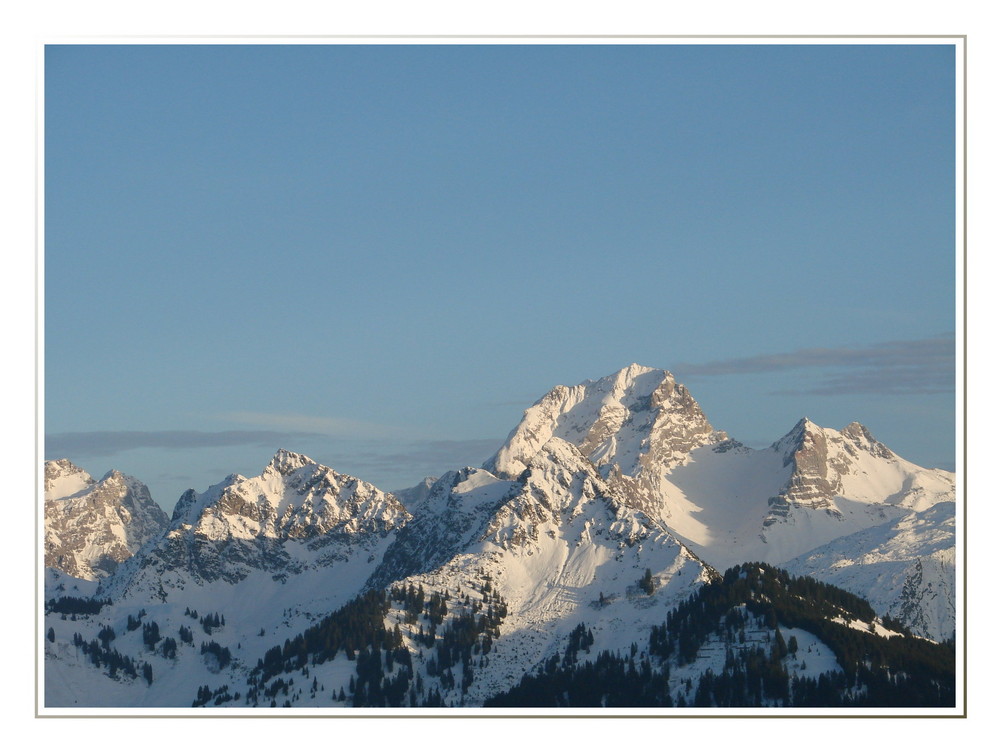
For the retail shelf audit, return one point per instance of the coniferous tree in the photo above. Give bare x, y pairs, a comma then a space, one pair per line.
779, 649
646, 583
151, 634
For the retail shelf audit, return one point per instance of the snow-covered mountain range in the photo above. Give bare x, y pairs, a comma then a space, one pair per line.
299, 534
609, 504
730, 503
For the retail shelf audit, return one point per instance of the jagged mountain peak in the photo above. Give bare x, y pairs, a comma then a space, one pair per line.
297, 517
92, 526
832, 470
807, 436
628, 375
630, 418
118, 478
291, 490
792, 440
63, 478
285, 462
62, 467
860, 437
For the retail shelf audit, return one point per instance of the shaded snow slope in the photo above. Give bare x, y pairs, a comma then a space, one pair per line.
734, 504
413, 497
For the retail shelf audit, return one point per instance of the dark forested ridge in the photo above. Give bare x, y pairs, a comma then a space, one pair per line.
67, 604
893, 671
452, 634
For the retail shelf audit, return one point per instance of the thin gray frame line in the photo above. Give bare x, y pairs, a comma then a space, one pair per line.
524, 36
965, 360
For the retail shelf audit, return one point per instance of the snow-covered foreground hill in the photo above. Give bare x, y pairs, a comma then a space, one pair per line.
611, 504
904, 568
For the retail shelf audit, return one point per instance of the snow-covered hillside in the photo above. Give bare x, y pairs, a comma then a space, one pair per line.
557, 545
905, 568
270, 554
734, 504
560, 547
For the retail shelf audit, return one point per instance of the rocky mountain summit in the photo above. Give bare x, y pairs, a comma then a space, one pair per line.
730, 503
92, 526
637, 419
297, 515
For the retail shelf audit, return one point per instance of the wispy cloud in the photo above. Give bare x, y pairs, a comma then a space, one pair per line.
103, 443
315, 424
925, 366
419, 458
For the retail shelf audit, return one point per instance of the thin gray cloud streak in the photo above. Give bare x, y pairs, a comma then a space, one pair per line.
102, 443
314, 425
925, 366
420, 458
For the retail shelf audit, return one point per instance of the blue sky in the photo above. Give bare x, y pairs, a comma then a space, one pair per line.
380, 255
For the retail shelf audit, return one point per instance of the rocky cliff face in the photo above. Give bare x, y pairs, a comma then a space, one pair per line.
814, 479
451, 515
634, 418
634, 426
826, 464
558, 487
92, 526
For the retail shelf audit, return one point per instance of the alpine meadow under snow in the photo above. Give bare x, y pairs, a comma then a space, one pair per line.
616, 551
